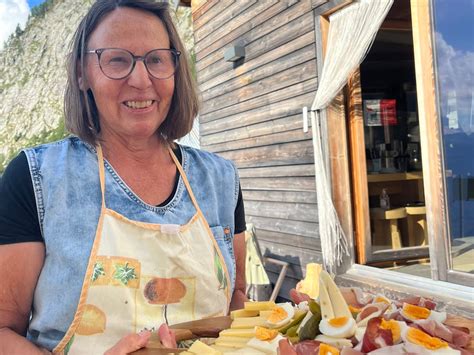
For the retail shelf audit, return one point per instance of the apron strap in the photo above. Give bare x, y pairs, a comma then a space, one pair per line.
185, 180
100, 159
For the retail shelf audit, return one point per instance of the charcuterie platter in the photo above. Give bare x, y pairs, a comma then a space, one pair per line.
324, 319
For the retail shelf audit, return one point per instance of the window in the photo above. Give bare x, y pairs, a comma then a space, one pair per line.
395, 137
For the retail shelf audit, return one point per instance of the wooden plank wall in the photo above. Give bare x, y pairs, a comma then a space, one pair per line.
251, 114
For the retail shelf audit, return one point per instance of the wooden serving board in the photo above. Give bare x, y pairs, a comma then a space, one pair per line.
207, 327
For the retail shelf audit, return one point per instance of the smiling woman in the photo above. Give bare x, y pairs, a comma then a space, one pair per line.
138, 229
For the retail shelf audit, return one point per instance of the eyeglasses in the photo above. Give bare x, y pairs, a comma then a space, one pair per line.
117, 63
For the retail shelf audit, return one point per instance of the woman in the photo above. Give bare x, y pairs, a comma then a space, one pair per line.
134, 231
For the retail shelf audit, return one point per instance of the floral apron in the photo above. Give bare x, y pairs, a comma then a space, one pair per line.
141, 275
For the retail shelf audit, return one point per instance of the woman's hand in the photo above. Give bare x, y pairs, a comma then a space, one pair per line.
130, 343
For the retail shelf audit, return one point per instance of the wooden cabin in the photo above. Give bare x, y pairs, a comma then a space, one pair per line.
258, 64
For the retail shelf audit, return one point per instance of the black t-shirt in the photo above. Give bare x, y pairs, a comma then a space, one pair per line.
19, 221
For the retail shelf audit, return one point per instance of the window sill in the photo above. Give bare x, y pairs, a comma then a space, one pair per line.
452, 298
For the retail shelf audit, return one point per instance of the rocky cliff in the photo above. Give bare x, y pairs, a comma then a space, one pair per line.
33, 76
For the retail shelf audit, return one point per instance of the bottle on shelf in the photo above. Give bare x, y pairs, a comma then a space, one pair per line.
384, 200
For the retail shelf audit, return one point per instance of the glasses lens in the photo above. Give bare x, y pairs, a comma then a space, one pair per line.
161, 63
116, 63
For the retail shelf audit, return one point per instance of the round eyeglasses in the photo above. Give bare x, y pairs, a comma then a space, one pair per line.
117, 63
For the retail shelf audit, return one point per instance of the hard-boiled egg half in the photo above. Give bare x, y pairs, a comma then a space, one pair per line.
395, 327
266, 346
412, 312
336, 318
340, 327
382, 299
281, 315
426, 343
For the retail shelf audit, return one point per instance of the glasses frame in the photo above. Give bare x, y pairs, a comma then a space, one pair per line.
136, 58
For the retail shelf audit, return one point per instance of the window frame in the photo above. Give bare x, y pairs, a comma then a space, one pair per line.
445, 284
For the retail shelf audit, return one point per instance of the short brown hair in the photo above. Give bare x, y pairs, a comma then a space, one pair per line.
79, 106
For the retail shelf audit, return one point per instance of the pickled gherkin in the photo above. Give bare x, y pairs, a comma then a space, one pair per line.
299, 315
311, 328
314, 307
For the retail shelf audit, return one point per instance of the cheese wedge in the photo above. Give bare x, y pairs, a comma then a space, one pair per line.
241, 323
199, 347
339, 304
242, 313
327, 311
243, 333
259, 306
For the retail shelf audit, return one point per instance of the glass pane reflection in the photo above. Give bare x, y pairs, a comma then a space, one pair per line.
454, 42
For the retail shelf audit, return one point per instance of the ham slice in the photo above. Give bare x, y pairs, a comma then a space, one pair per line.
298, 297
285, 348
370, 311
307, 347
461, 335
375, 337
417, 301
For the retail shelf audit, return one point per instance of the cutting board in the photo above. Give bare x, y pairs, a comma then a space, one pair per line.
203, 328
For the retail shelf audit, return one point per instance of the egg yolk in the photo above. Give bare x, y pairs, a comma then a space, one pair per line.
338, 322
325, 349
393, 326
265, 334
416, 311
419, 337
381, 300
353, 309
277, 315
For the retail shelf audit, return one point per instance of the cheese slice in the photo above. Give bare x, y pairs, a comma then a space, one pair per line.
199, 347
228, 339
241, 313
259, 306
241, 323
244, 333
224, 349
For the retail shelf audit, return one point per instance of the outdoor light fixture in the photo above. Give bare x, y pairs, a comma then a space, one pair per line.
234, 53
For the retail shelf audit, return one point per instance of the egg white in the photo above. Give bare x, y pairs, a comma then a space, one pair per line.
345, 331
268, 347
289, 309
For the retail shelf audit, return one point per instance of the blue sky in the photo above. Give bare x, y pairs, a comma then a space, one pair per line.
32, 3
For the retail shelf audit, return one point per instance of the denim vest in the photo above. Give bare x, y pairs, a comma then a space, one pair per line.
65, 179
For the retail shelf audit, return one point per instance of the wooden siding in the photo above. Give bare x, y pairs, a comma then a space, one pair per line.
251, 114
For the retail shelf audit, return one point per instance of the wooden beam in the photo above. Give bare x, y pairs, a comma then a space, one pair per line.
360, 194
430, 132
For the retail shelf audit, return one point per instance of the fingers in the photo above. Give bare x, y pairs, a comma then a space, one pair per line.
130, 343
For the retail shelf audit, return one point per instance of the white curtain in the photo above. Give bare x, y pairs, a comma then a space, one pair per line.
352, 30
